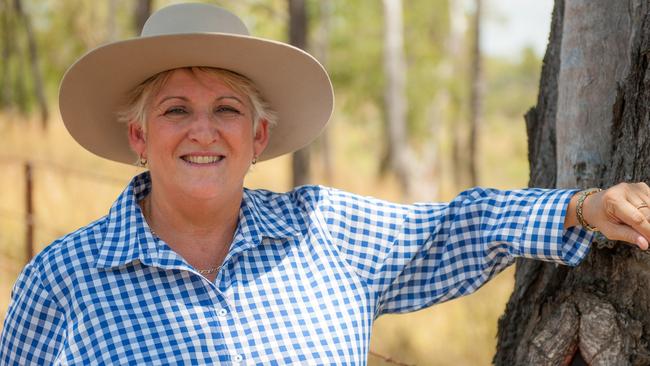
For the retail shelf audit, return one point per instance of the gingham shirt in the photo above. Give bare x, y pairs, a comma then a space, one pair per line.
307, 273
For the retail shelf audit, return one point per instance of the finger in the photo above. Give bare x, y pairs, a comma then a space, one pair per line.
638, 194
626, 234
643, 188
640, 200
626, 213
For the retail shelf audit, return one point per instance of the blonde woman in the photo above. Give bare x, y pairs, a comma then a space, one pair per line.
189, 267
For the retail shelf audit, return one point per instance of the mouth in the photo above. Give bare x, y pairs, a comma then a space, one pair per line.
202, 159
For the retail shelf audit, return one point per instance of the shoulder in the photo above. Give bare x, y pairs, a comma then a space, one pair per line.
69, 253
300, 198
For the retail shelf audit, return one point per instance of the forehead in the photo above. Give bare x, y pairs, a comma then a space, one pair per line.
198, 82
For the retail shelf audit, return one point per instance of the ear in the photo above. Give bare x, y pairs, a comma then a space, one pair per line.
137, 139
261, 138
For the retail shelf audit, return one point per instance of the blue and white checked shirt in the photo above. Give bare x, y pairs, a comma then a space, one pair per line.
307, 273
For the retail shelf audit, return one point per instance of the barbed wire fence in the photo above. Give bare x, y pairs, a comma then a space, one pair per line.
28, 215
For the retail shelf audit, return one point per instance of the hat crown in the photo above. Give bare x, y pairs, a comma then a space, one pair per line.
193, 18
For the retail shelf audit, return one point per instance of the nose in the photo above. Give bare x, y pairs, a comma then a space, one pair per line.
203, 130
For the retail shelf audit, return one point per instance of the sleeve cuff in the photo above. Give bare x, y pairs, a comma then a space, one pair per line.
544, 236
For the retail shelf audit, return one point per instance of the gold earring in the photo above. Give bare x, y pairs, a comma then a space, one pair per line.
143, 162
254, 160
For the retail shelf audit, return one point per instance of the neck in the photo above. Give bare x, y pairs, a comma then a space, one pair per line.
200, 230
188, 215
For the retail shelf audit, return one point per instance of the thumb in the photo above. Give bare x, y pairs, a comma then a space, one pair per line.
625, 233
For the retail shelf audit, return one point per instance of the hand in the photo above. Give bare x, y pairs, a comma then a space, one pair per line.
620, 212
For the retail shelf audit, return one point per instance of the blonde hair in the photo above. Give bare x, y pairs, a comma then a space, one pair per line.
135, 108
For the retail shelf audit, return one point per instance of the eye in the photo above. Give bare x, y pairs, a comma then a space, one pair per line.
175, 111
226, 109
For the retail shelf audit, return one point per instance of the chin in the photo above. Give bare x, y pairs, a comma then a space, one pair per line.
210, 189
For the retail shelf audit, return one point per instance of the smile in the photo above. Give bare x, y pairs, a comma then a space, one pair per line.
202, 159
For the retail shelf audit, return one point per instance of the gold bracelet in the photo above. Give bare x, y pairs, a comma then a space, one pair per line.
581, 200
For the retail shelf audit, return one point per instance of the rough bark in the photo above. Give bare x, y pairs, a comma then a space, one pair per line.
301, 171
475, 97
599, 311
595, 56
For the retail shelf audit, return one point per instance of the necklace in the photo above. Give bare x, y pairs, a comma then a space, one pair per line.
145, 213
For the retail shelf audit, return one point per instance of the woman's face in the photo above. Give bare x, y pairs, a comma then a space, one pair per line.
199, 138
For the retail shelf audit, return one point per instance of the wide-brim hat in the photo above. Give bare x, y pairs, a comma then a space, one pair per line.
293, 82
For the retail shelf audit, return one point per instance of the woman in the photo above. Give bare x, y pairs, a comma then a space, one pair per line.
189, 267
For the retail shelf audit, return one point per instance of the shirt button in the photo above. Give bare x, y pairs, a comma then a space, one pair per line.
238, 358
223, 312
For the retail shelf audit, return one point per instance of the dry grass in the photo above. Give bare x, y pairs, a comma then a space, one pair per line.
461, 332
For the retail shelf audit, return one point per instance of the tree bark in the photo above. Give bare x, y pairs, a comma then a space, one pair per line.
476, 96
395, 92
597, 312
298, 37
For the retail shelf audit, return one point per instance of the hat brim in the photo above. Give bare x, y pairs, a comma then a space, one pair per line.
93, 89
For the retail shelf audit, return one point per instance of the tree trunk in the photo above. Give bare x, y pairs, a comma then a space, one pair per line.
141, 14
298, 37
454, 52
320, 52
111, 21
6, 83
37, 79
395, 93
597, 312
476, 96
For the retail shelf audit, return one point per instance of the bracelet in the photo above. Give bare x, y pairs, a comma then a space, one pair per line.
581, 200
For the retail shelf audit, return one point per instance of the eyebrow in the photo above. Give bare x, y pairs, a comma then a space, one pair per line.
187, 100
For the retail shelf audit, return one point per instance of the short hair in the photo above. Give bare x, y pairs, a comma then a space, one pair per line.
134, 110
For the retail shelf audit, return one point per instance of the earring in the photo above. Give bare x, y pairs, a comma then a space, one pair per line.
254, 160
143, 162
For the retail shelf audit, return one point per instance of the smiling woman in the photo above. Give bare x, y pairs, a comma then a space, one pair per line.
199, 144
189, 267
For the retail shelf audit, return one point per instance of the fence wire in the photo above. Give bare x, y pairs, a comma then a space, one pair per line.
30, 167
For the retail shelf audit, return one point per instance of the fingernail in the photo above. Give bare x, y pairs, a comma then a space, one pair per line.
642, 243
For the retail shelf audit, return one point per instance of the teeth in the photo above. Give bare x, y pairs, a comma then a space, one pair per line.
202, 159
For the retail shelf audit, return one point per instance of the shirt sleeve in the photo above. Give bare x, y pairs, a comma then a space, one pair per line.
413, 256
34, 326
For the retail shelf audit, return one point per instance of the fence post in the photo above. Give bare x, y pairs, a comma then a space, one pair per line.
29, 211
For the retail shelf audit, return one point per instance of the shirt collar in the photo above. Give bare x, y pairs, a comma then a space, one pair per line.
266, 214
128, 238
127, 235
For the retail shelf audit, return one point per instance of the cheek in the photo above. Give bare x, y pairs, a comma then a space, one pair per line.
161, 139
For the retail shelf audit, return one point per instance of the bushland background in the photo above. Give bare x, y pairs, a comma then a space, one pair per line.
452, 91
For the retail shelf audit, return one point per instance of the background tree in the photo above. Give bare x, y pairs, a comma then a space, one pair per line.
18, 34
476, 96
141, 13
321, 50
594, 85
395, 102
298, 37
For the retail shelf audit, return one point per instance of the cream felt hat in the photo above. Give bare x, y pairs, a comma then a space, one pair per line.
296, 86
